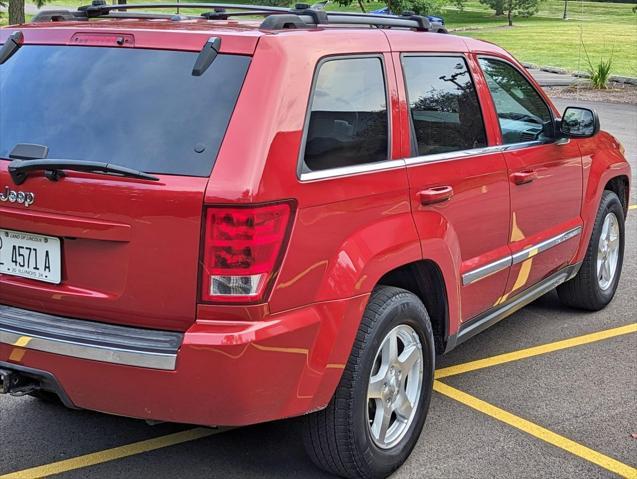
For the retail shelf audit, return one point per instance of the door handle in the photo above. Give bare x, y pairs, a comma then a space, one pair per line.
436, 194
524, 177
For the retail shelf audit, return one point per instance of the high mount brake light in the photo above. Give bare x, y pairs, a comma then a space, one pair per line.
243, 249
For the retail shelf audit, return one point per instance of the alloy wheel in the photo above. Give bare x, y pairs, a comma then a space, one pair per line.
395, 385
608, 251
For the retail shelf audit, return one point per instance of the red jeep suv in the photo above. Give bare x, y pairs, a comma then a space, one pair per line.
223, 221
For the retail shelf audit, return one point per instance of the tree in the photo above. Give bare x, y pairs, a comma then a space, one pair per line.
16, 12
497, 5
525, 8
419, 7
512, 8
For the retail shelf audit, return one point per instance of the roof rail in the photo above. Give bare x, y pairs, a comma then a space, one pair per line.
276, 18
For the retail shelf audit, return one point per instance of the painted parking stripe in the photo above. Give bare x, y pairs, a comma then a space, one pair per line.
535, 351
141, 447
539, 432
120, 452
632, 207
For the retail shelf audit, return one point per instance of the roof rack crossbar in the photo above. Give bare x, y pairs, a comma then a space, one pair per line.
300, 16
99, 9
353, 18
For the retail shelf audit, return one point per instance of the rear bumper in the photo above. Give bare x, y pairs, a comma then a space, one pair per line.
224, 373
88, 339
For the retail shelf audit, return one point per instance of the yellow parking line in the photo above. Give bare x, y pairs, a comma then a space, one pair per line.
199, 433
633, 207
535, 351
539, 432
112, 454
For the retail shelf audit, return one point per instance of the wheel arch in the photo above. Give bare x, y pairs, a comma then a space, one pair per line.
424, 278
620, 186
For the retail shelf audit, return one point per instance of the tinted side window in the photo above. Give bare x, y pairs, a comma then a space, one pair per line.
522, 113
348, 120
444, 106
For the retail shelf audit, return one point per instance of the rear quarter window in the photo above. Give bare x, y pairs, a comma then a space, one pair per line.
348, 120
137, 108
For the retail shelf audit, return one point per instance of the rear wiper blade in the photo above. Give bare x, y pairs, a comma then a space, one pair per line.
11, 45
20, 169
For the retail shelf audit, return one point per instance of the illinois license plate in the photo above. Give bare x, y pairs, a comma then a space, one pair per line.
30, 256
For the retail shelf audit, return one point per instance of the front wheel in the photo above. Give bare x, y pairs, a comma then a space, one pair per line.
377, 413
595, 284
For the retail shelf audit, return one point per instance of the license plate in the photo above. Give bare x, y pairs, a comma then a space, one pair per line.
30, 256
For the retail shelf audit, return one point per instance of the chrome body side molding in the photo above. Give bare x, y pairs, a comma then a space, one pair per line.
533, 250
486, 270
528, 252
489, 318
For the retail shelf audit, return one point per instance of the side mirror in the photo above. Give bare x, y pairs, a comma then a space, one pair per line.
579, 122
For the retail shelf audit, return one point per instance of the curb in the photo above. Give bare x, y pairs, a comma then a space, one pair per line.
622, 79
562, 71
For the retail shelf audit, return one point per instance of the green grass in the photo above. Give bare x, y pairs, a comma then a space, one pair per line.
547, 40
544, 39
4, 20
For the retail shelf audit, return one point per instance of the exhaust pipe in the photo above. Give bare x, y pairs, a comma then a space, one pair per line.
16, 384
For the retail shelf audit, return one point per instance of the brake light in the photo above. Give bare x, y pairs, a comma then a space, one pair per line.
243, 249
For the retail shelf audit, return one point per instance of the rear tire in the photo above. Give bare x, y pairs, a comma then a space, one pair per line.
596, 282
389, 375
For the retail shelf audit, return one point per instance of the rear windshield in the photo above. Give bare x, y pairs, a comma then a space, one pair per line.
137, 108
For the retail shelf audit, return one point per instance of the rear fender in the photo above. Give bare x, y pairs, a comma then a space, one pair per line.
341, 250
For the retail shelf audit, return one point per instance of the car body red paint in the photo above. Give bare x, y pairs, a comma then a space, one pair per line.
248, 363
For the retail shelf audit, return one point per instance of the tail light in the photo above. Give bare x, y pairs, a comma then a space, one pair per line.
243, 249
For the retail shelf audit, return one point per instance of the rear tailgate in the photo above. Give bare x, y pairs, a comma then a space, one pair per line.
128, 248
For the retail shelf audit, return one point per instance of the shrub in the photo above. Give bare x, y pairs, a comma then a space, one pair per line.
599, 72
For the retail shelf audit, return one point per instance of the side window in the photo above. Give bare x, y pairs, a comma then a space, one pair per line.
348, 122
444, 106
522, 113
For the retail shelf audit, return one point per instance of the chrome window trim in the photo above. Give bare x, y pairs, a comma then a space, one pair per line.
524, 144
452, 155
463, 154
351, 170
416, 160
534, 250
482, 272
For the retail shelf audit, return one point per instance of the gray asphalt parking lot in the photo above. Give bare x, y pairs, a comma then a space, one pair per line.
549, 392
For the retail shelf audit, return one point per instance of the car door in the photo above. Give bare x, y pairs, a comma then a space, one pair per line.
458, 183
545, 176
